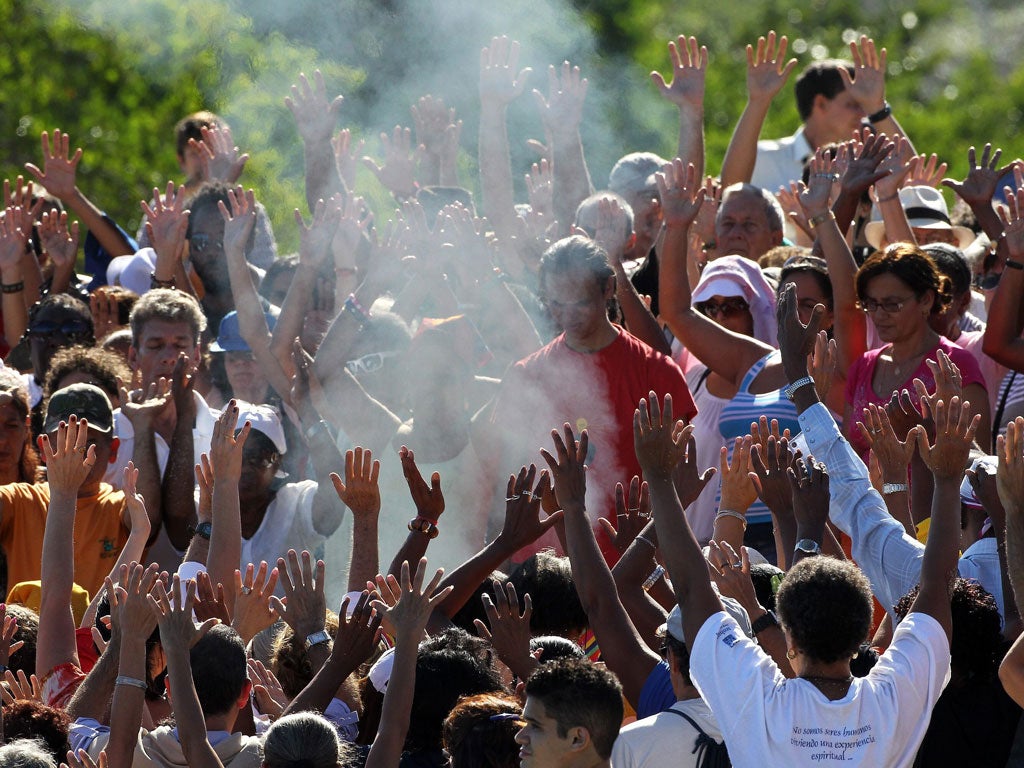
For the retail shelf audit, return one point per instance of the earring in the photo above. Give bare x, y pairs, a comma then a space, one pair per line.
790, 654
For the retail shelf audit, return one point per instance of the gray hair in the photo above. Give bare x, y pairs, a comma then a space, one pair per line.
170, 306
587, 210
772, 209
304, 738
26, 753
630, 175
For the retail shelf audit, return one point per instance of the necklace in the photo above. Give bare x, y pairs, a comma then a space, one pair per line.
838, 684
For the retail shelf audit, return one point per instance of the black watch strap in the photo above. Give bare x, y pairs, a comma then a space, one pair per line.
763, 622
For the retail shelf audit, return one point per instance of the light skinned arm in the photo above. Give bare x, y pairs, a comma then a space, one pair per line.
409, 618
728, 354
226, 462
767, 73
1002, 341
58, 176
178, 634
500, 84
867, 85
360, 492
621, 646
315, 118
561, 113
15, 229
686, 91
661, 443
68, 464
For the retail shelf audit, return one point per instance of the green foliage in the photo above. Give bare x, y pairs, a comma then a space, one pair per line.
118, 74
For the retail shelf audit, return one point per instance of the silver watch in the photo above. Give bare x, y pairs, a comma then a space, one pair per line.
807, 547
316, 638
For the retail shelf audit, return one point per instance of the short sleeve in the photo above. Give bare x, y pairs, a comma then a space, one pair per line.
668, 378
657, 694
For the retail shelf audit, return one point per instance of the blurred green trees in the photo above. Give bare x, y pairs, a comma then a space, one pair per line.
117, 74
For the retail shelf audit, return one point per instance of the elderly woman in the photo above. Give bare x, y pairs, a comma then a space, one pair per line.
900, 289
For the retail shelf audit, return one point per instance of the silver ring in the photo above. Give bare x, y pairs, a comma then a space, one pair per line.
527, 495
632, 509
511, 498
736, 565
246, 590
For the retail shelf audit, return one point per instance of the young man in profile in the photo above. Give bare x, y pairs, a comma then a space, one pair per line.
573, 712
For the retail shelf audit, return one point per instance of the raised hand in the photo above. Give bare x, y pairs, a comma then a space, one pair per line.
357, 634
359, 491
1010, 472
239, 220
8, 629
949, 383
864, 162
266, 689
60, 242
568, 472
821, 363
738, 491
253, 611
133, 500
68, 456
522, 524
612, 232
955, 428
659, 441
82, 759
630, 517
431, 117
129, 611
15, 228
398, 173
681, 193
182, 386
211, 601
415, 602
867, 84
809, 481
540, 187
899, 166
562, 111
769, 464
767, 68
979, 185
167, 222
429, 499
893, 454
346, 155
789, 199
315, 114
204, 481
1012, 216
500, 83
904, 415
225, 447
316, 238
814, 198
304, 607
174, 614
689, 67
59, 170
509, 630
20, 688
731, 572
796, 340
354, 225
927, 172
219, 155
687, 476
140, 407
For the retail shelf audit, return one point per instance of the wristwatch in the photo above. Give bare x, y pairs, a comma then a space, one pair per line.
763, 622
888, 488
316, 638
807, 547
204, 529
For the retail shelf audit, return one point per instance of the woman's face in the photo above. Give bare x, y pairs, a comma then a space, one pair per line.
730, 312
245, 376
13, 434
809, 293
894, 308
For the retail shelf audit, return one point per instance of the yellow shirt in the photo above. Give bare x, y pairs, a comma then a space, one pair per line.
99, 534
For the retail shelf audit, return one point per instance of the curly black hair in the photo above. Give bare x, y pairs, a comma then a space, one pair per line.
825, 605
977, 645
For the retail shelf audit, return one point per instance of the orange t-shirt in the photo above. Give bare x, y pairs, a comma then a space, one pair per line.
99, 533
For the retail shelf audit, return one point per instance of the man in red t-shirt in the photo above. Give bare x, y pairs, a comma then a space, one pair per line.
593, 376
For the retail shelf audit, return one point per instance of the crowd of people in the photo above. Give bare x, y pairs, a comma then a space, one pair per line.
709, 470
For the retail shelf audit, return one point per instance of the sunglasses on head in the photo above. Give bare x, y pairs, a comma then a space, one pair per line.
728, 308
368, 363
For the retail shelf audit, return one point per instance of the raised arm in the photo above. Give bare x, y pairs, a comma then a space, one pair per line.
360, 492
661, 443
621, 647
226, 462
315, 117
166, 225
500, 84
409, 618
978, 188
61, 244
68, 463
178, 509
867, 86
561, 113
429, 502
686, 91
15, 229
178, 634
58, 175
1003, 342
728, 354
767, 73
1010, 484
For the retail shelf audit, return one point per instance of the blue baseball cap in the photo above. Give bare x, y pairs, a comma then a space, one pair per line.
229, 335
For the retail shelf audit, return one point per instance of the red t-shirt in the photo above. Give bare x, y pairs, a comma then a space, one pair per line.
598, 392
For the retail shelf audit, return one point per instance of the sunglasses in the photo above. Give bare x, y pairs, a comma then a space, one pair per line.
70, 329
368, 363
728, 308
